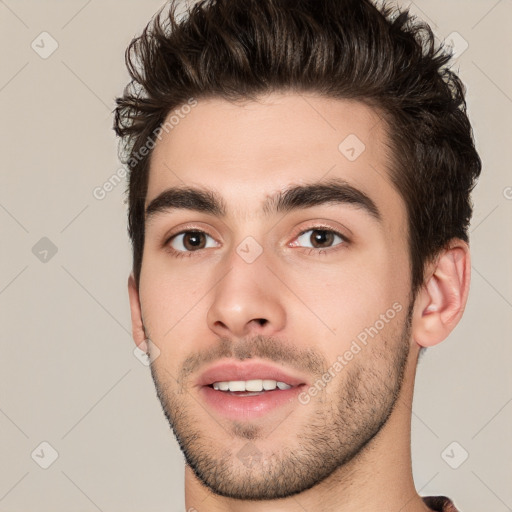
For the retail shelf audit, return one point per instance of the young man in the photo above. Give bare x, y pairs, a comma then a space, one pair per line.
299, 199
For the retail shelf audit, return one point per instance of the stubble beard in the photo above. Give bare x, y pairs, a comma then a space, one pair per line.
335, 433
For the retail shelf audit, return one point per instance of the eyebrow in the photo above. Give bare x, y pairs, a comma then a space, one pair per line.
334, 191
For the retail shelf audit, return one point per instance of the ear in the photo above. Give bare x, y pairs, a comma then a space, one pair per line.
138, 333
441, 301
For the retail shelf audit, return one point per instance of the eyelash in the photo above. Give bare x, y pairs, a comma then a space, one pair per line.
308, 250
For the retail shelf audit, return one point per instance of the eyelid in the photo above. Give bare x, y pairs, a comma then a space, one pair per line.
187, 228
321, 226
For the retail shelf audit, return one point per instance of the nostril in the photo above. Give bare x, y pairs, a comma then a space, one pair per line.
262, 321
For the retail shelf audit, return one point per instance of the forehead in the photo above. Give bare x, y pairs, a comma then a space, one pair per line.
250, 150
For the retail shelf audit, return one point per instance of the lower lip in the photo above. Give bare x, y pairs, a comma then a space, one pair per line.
239, 407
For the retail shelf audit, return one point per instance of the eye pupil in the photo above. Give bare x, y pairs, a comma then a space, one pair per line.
322, 237
194, 240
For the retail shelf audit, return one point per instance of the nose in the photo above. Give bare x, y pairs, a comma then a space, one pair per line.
248, 300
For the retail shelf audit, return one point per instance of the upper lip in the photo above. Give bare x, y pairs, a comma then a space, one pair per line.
235, 370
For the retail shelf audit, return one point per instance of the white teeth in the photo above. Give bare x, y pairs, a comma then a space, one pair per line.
250, 385
269, 384
253, 385
236, 385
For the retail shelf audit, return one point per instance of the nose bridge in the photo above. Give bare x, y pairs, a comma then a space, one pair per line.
247, 297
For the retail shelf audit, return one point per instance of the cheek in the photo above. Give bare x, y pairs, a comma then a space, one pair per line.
344, 299
171, 301
340, 307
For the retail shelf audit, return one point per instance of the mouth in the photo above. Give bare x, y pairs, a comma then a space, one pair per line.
248, 376
248, 390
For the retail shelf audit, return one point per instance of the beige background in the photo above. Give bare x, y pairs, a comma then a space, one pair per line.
68, 372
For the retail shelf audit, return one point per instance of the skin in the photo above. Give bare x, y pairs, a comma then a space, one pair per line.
348, 447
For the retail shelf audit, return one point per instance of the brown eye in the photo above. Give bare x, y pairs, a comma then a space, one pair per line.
194, 240
320, 238
190, 241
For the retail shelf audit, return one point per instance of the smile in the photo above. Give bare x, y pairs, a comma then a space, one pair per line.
249, 390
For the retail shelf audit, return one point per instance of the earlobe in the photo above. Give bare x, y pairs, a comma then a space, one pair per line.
138, 333
442, 299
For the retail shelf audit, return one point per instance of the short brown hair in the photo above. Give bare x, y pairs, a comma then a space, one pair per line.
346, 49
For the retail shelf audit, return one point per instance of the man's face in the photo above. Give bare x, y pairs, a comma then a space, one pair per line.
255, 282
